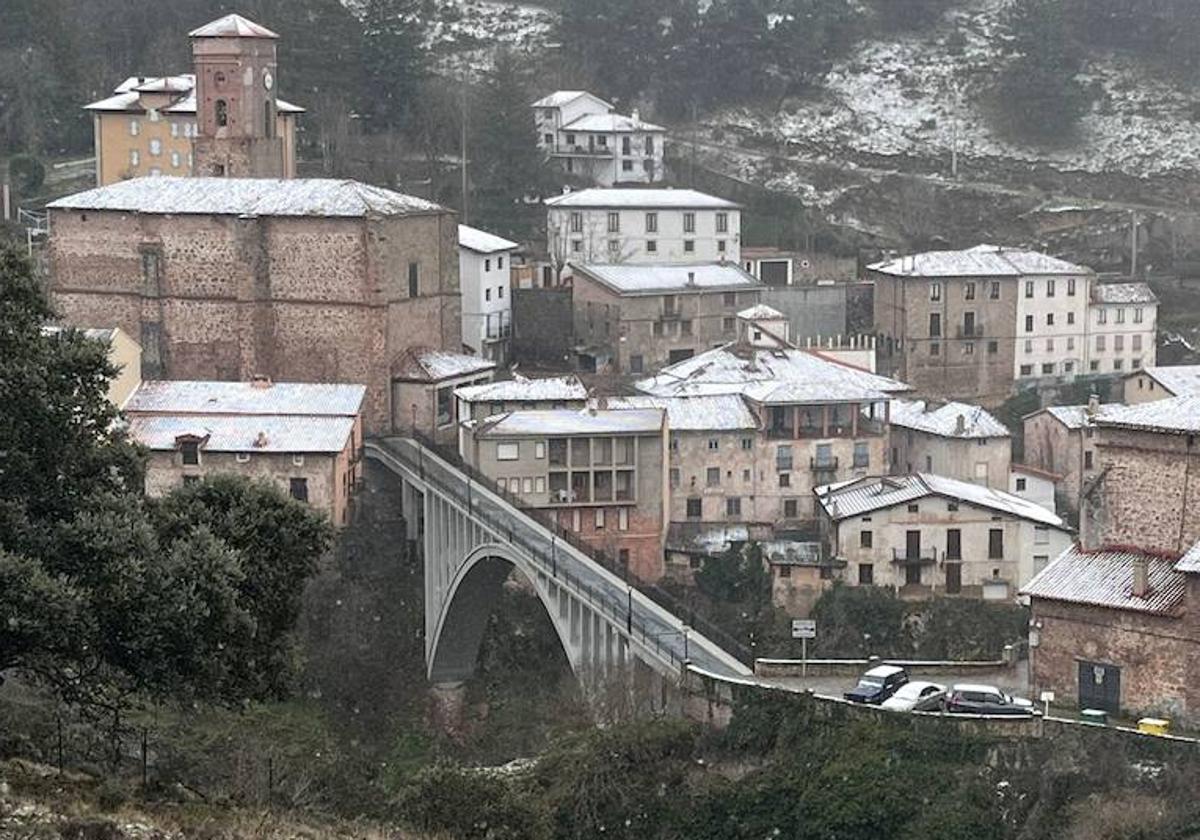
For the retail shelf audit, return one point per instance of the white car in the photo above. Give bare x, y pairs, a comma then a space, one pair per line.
916, 696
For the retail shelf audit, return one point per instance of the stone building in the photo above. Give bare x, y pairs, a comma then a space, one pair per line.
305, 438
954, 439
638, 318
153, 126
601, 474
520, 393
580, 133
1118, 629
484, 265
1147, 487
925, 534
1157, 383
299, 280
1060, 439
424, 382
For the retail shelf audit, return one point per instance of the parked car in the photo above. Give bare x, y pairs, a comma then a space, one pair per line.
917, 696
877, 684
967, 698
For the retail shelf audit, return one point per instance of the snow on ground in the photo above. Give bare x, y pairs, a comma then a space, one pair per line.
913, 96
470, 24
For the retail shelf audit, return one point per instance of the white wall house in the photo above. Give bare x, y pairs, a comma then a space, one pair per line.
1052, 307
582, 134
1122, 328
484, 263
642, 226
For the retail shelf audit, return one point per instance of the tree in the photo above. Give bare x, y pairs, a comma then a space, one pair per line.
1038, 94
392, 61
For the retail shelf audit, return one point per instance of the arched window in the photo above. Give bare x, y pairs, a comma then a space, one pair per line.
222, 112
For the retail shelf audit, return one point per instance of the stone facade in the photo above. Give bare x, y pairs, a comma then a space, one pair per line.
1067, 451
305, 299
984, 461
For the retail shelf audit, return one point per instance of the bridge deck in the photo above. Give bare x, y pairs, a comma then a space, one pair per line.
656, 629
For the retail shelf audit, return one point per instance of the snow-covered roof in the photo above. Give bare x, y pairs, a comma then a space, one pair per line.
428, 364
650, 199
980, 261
571, 422
610, 123
1076, 416
232, 26
770, 376
125, 101
520, 389
1190, 561
482, 242
943, 421
322, 197
717, 413
863, 495
242, 433
761, 312
656, 278
127, 95
277, 398
1105, 579
187, 105
1122, 293
562, 97
1180, 415
1179, 380
167, 84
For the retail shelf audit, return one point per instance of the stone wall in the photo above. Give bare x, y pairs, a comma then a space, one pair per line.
1051, 446
961, 458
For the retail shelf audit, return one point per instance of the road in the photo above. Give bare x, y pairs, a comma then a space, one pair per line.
1010, 680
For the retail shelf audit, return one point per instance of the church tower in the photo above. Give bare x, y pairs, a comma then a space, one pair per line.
237, 124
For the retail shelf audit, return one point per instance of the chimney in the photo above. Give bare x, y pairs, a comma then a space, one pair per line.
635, 115
260, 381
1093, 405
261, 441
960, 425
1141, 576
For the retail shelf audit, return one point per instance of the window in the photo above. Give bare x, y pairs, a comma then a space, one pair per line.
685, 326
414, 279
487, 294
155, 146
790, 508
785, 571
539, 449
866, 539
1118, 364
862, 454
993, 347
914, 508
1028, 323
499, 293
953, 543
135, 128
500, 265
747, 443
175, 160
1070, 342
1087, 460
714, 444
1137, 343
694, 507
785, 479
968, 324
1101, 316
968, 291
866, 574
1118, 343
135, 157
1020, 485
649, 146
1068, 367
712, 477
994, 291
689, 222
1041, 534
722, 223
1028, 288
651, 246
1100, 344
1121, 315
298, 489
1070, 318
1026, 370
1049, 319
689, 246
996, 544
445, 401
599, 519
508, 451
1094, 365
935, 291
1137, 315
733, 506
1070, 287
614, 246
174, 129
674, 474
1049, 288
951, 506
636, 363
1049, 345
721, 245
576, 222
527, 486
651, 223
190, 450
1047, 368
935, 348
968, 348
487, 265
221, 111
627, 145
614, 222
728, 324
935, 324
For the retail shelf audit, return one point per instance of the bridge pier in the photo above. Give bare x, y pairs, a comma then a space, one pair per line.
447, 708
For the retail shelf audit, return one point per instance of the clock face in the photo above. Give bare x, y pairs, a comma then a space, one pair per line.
268, 80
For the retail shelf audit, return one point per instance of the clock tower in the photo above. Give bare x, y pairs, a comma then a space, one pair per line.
237, 124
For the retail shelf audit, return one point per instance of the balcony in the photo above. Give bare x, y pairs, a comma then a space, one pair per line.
922, 556
823, 465
969, 331
565, 150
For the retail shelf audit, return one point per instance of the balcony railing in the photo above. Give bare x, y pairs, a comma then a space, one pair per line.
969, 331
565, 150
922, 555
823, 464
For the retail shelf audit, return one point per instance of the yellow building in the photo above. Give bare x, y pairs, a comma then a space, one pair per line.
149, 125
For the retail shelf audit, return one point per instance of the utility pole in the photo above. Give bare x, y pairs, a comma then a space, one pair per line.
463, 148
1133, 244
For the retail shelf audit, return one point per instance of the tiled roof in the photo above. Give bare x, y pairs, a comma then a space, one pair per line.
1190, 561
609, 122
1122, 293
232, 26
246, 398
770, 375
943, 421
1179, 415
980, 261
520, 388
244, 433
1105, 579
858, 496
718, 413
1179, 380
426, 364
571, 422
650, 199
482, 242
655, 278
320, 197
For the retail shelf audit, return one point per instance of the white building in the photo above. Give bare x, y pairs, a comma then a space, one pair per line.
642, 226
582, 134
1052, 307
954, 439
484, 262
1157, 383
1122, 328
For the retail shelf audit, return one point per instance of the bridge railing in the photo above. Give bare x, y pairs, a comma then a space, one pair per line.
551, 523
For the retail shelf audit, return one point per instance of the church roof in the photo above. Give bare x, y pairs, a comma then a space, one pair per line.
232, 26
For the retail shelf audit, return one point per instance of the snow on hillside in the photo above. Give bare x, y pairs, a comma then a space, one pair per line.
913, 96
469, 24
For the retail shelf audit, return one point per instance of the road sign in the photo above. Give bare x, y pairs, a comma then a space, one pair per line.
804, 628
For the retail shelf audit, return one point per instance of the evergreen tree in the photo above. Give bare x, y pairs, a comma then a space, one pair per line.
392, 61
